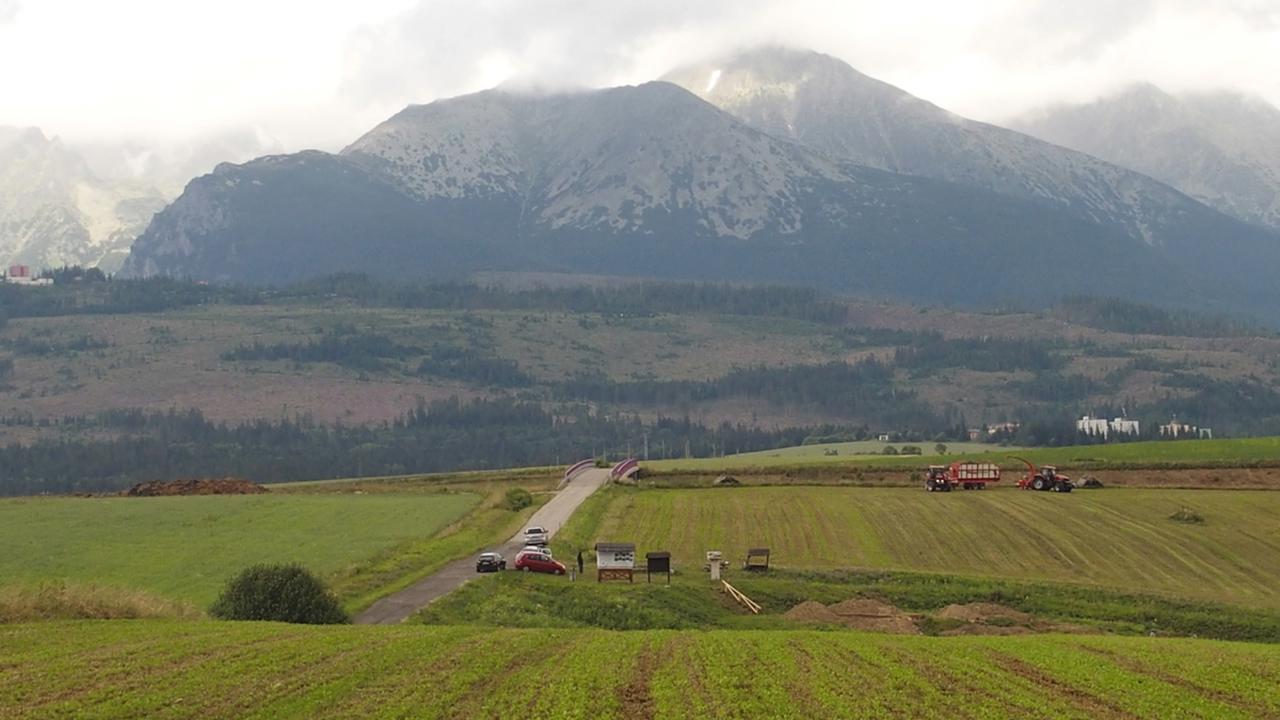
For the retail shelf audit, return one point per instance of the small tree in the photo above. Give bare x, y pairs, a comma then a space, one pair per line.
283, 593
940, 449
517, 499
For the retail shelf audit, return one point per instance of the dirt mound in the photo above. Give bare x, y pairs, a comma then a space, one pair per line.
983, 613
211, 486
980, 629
874, 616
811, 611
864, 607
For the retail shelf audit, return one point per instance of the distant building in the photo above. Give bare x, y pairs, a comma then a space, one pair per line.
1004, 427
1175, 429
21, 275
1104, 428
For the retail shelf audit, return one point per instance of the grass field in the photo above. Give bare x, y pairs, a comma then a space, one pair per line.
1173, 453
186, 547
1118, 538
159, 669
690, 601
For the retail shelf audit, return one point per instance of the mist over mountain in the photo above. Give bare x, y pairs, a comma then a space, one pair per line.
808, 173
1221, 148
54, 210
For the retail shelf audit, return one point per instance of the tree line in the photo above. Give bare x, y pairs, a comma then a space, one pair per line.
132, 446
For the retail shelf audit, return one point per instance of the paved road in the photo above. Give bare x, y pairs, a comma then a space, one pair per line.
552, 516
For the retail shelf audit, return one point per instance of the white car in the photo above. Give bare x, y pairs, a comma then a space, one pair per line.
535, 536
544, 549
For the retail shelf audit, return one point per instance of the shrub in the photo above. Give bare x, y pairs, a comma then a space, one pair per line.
284, 593
1188, 516
890, 450
517, 499
911, 450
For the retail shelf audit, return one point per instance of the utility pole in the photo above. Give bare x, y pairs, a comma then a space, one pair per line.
646, 446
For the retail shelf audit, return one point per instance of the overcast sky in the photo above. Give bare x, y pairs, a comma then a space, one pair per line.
316, 73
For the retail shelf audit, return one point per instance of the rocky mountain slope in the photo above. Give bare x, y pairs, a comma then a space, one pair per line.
823, 103
651, 180
1220, 148
55, 211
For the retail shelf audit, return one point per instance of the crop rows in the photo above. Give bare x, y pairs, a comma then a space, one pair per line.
1121, 538
161, 669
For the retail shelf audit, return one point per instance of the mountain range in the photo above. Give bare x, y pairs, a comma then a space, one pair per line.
1221, 148
770, 165
54, 210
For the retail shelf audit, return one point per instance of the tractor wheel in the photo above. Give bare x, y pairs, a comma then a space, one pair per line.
928, 485
1066, 487
1038, 484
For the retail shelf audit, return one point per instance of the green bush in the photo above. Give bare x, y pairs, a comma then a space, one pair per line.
283, 593
517, 499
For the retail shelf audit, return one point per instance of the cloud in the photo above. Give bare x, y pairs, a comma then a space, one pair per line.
9, 11
989, 60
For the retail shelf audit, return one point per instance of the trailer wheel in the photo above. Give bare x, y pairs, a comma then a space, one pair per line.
1066, 487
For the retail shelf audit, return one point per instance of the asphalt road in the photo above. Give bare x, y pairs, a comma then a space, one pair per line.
552, 516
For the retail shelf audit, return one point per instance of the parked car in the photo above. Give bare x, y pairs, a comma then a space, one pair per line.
490, 562
539, 562
544, 549
535, 535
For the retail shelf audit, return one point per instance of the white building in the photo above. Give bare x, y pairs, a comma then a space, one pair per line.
1105, 428
1175, 429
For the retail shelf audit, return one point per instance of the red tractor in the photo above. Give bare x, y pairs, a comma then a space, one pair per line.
1046, 478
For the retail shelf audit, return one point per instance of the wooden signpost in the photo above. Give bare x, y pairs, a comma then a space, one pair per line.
615, 561
657, 562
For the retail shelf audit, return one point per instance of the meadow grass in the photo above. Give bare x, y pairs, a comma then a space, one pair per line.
692, 601
259, 670
1241, 452
1117, 538
186, 547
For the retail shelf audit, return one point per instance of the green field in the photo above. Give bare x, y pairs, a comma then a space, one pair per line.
159, 669
186, 547
1243, 452
1118, 538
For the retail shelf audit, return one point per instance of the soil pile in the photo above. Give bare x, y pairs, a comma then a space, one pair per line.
984, 613
873, 615
211, 486
989, 619
811, 611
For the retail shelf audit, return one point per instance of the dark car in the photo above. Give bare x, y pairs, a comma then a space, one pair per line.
490, 562
539, 562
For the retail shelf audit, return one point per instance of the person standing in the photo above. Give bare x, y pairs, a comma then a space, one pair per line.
579, 562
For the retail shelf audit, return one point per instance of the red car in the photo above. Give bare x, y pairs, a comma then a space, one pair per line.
538, 562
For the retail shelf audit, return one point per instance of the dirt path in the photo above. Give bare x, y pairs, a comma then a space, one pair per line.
552, 516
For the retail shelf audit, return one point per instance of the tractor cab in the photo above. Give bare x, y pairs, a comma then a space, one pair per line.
1046, 478
936, 479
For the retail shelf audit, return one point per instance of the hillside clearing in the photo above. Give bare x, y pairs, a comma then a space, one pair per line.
238, 670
